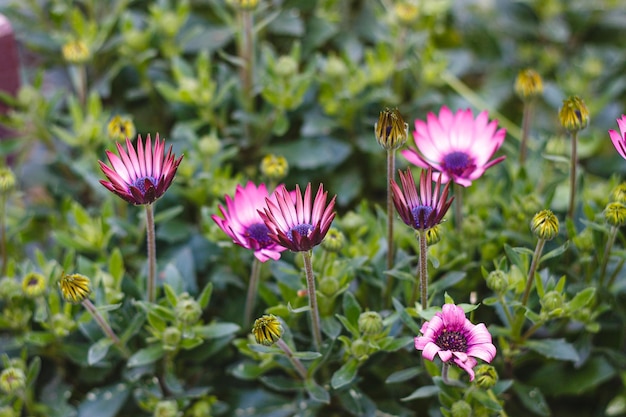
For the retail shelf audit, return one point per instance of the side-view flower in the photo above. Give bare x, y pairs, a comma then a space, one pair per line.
619, 139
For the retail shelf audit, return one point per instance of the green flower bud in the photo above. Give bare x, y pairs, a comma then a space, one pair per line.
352, 222
360, 349
7, 180
171, 338
201, 408
209, 145
545, 225
12, 380
328, 286
188, 311
574, 115
497, 281
552, 303
461, 409
286, 66
486, 376
17, 316
166, 409
583, 315
584, 240
370, 323
61, 325
615, 214
33, 285
9, 289
335, 67
334, 240
267, 330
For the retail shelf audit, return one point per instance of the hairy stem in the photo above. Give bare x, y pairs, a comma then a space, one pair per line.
253, 285
310, 285
391, 166
151, 243
607, 254
294, 361
572, 177
422, 274
104, 326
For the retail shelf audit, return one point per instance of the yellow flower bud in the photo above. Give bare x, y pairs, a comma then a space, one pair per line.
391, 130
7, 180
574, 115
528, 84
274, 167
12, 380
75, 287
267, 330
33, 285
615, 214
120, 128
75, 52
545, 225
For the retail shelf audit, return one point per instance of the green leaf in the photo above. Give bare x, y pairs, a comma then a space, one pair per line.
582, 299
405, 317
216, 330
33, 371
554, 348
146, 356
555, 252
247, 370
316, 392
532, 398
351, 308
447, 281
422, 392
391, 344
168, 214
307, 356
170, 294
98, 350
487, 401
349, 326
205, 295
105, 402
404, 375
116, 264
346, 374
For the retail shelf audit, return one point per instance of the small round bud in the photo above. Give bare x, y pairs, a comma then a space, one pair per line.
120, 128
9, 289
75, 52
267, 330
171, 338
433, 235
360, 349
209, 145
574, 115
188, 311
370, 323
335, 67
552, 303
12, 380
615, 214
166, 409
619, 193
461, 409
328, 286
486, 376
334, 240
545, 225
74, 287
528, 84
497, 281
286, 66
33, 285
61, 325
406, 12
391, 130
274, 167
352, 221
7, 180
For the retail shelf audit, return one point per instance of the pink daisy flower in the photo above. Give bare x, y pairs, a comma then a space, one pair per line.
421, 211
456, 145
454, 338
141, 176
296, 224
619, 139
243, 223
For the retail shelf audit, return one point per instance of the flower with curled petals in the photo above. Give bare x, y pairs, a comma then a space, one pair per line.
619, 139
423, 211
243, 223
455, 339
143, 175
456, 145
294, 222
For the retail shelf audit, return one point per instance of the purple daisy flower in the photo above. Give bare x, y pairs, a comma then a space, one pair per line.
242, 222
619, 139
296, 224
421, 211
456, 145
142, 176
454, 338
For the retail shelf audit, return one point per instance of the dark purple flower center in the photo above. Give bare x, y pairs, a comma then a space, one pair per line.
453, 341
420, 214
259, 233
33, 282
140, 183
456, 162
302, 229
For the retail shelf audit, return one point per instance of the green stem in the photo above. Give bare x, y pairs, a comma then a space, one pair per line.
310, 285
422, 272
607, 254
246, 73
526, 118
151, 243
253, 285
572, 177
3, 233
615, 273
458, 207
104, 326
391, 167
294, 361
518, 323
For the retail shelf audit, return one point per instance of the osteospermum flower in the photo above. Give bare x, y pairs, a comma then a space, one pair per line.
296, 224
141, 176
456, 145
455, 339
243, 223
425, 210
619, 139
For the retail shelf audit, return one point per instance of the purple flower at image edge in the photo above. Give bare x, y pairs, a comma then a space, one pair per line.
456, 145
453, 337
619, 139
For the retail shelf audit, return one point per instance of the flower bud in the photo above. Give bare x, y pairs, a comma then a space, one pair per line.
334, 240
61, 325
188, 311
497, 281
370, 323
545, 225
274, 167
619, 193
584, 240
406, 12
328, 286
244, 4
12, 380
433, 235
615, 214
286, 66
120, 128
33, 285
209, 145
360, 349
267, 330
9, 289
171, 338
75, 52
552, 303
166, 409
528, 84
461, 409
74, 287
486, 376
574, 115
17, 316
391, 130
335, 67
7, 180
473, 226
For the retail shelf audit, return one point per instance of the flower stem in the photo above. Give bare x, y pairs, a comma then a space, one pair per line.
104, 326
526, 119
246, 72
3, 233
607, 254
422, 272
294, 361
458, 207
253, 284
516, 327
151, 243
391, 166
310, 285
572, 177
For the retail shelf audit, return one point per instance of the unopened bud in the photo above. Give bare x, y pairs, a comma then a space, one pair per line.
274, 167
497, 281
334, 240
615, 214
391, 130
188, 311
528, 84
574, 115
267, 330
370, 323
486, 376
461, 409
12, 380
545, 225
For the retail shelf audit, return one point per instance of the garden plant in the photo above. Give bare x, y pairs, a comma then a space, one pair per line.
314, 208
